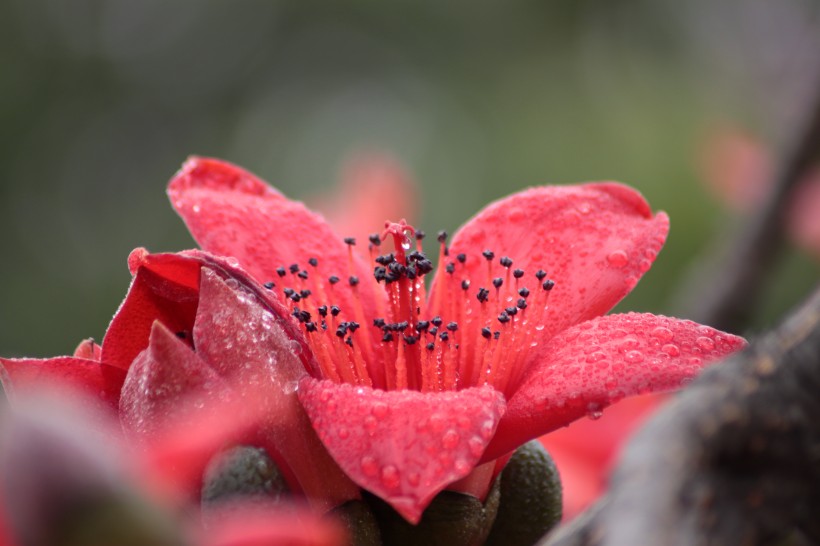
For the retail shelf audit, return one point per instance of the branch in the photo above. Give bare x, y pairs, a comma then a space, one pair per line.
729, 287
735, 459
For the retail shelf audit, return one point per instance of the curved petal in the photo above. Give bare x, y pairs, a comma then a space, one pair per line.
166, 381
247, 345
166, 288
404, 446
594, 241
101, 381
265, 231
589, 366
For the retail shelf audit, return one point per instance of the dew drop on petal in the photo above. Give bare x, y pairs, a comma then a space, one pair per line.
390, 477
450, 439
634, 357
476, 446
343, 433
436, 422
671, 349
705, 343
380, 410
662, 333
594, 411
617, 258
369, 466
462, 466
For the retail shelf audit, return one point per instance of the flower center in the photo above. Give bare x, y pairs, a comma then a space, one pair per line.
473, 331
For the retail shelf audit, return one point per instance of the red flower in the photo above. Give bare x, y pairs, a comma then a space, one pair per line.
408, 394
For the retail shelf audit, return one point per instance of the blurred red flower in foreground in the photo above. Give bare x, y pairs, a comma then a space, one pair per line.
352, 374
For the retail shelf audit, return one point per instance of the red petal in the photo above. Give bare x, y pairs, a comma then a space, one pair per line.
404, 446
591, 365
100, 381
165, 382
264, 231
594, 240
167, 289
247, 345
150, 298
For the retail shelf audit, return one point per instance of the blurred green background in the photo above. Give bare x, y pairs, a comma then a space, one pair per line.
102, 100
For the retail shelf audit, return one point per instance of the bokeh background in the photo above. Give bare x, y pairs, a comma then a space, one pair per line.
102, 100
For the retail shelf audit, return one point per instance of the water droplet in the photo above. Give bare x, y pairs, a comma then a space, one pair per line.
695, 361
610, 383
369, 466
436, 422
594, 410
462, 466
390, 477
370, 424
414, 479
705, 343
233, 262
197, 208
450, 439
634, 357
295, 347
380, 410
476, 446
597, 356
539, 327
662, 333
617, 258
584, 208
343, 433
630, 342
290, 387
671, 349
486, 430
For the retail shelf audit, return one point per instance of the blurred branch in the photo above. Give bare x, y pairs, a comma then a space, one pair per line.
730, 284
733, 460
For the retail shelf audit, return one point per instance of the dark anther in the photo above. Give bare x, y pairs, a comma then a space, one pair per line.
341, 331
353, 280
483, 295
296, 297
303, 275
422, 325
288, 292
444, 336
349, 241
415, 256
419, 235
497, 282
548, 284
375, 240
333, 279
521, 304
524, 292
281, 271
410, 340
396, 269
379, 273
506, 261
512, 311
304, 316
540, 274
411, 272
385, 259
503, 317
402, 326
181, 334
387, 336
465, 284
269, 285
431, 346
461, 258
324, 325
486, 333
452, 326
353, 326
489, 254
518, 273
310, 326
424, 266
450, 268
294, 268
436, 321
433, 331
496, 334
305, 293
313, 261
322, 310
334, 310
349, 341
378, 322
442, 236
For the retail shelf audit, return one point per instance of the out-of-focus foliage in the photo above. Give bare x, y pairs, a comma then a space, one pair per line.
101, 101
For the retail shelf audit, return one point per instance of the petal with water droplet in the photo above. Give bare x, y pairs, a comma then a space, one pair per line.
549, 397
416, 449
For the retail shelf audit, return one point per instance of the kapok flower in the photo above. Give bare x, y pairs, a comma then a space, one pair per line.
408, 393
